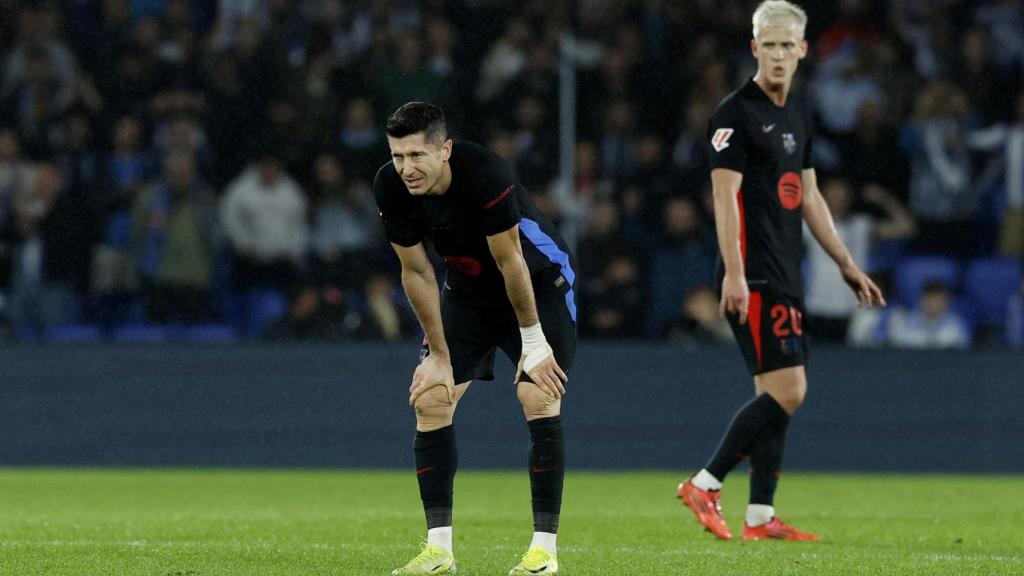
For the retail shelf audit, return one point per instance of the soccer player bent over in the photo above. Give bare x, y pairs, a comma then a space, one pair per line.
508, 273
764, 184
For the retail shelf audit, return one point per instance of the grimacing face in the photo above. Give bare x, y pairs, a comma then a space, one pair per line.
421, 163
778, 50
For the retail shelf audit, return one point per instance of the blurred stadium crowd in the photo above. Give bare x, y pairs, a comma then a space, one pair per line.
201, 169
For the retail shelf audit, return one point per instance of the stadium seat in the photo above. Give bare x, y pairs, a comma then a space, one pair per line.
224, 302
989, 283
885, 255
25, 333
962, 306
143, 333
211, 333
264, 306
674, 274
914, 272
73, 333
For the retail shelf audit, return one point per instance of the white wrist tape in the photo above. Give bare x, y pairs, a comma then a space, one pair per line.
535, 347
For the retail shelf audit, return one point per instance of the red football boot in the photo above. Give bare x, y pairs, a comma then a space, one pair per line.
777, 530
706, 508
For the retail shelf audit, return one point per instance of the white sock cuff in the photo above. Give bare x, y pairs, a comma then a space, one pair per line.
758, 514
705, 481
545, 540
441, 537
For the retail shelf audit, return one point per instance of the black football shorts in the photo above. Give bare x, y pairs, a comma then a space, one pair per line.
773, 337
475, 330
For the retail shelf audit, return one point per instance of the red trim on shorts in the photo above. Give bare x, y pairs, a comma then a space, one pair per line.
754, 321
743, 227
754, 304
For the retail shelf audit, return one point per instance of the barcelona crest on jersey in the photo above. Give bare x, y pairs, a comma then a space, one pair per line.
789, 143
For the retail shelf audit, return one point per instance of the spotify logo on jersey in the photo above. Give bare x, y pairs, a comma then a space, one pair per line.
791, 190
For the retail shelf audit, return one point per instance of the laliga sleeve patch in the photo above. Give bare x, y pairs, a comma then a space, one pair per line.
720, 140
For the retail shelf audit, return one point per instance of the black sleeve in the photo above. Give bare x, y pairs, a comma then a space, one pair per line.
727, 140
493, 191
809, 152
396, 210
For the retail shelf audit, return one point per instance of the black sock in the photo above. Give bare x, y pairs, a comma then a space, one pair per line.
436, 461
766, 462
547, 472
751, 422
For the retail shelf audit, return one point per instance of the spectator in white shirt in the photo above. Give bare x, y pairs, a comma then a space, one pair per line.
830, 304
932, 325
264, 216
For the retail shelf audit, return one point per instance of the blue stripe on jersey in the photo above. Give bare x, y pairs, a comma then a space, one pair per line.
548, 247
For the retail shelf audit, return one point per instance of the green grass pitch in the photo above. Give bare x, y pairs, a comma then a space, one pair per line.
244, 522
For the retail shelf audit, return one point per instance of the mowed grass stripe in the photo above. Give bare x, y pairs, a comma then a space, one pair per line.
228, 522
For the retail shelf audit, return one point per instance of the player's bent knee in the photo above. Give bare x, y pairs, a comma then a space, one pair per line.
434, 409
792, 402
789, 398
536, 403
787, 386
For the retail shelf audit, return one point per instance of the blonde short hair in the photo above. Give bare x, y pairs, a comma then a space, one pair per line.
779, 14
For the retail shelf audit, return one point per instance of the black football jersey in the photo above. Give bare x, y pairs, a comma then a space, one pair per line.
484, 198
770, 146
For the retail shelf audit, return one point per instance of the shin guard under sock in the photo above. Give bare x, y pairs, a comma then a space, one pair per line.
436, 461
547, 472
766, 462
756, 418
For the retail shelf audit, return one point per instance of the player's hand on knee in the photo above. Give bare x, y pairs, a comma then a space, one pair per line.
549, 377
735, 297
538, 360
433, 371
559, 387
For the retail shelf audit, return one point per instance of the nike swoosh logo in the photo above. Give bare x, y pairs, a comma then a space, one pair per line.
422, 470
766, 128
537, 470
538, 570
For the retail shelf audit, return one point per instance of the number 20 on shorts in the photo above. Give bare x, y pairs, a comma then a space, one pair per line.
783, 315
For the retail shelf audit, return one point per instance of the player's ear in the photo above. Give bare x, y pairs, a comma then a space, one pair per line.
803, 49
447, 149
753, 47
